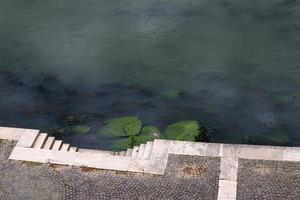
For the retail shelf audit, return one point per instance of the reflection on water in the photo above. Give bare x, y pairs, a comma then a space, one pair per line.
236, 62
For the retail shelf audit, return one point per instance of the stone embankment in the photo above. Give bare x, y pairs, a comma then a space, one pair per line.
151, 158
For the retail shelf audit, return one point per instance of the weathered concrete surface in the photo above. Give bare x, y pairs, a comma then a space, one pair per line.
228, 178
227, 190
291, 154
28, 138
195, 148
102, 161
8, 133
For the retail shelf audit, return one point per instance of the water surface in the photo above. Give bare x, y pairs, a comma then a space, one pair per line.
235, 62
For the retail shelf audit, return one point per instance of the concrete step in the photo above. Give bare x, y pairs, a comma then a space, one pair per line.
109, 162
40, 141
141, 151
128, 152
148, 150
135, 152
95, 151
49, 143
57, 145
73, 149
122, 153
10, 133
28, 138
65, 147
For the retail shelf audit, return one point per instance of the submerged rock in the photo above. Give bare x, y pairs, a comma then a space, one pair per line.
61, 132
173, 94
123, 126
148, 133
150, 130
70, 120
278, 137
185, 130
284, 100
80, 129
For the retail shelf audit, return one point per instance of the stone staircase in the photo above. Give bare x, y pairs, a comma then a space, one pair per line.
37, 140
43, 141
34, 146
142, 152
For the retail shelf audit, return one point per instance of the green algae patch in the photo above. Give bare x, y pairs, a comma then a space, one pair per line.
148, 133
123, 126
80, 129
185, 130
148, 130
1, 141
121, 144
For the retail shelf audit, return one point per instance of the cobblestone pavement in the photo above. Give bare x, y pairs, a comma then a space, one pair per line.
187, 177
259, 179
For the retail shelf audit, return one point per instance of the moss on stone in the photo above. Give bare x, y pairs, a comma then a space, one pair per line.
123, 126
121, 144
147, 134
147, 130
185, 130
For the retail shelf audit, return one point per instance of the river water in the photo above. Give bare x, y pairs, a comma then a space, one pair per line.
235, 64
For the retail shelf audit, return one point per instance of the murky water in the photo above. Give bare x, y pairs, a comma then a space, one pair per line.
235, 62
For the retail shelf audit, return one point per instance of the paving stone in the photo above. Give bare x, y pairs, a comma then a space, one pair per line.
264, 179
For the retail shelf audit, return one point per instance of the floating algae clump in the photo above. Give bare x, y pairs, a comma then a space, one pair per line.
123, 126
185, 130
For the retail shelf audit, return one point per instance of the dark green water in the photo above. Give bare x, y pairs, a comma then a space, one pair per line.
236, 62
